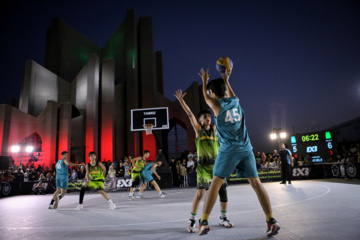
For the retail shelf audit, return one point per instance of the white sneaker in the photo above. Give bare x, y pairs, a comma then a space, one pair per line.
51, 206
191, 227
80, 206
112, 206
138, 197
163, 195
226, 223
130, 198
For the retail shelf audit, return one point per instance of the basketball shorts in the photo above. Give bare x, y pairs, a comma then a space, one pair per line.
244, 163
62, 181
146, 176
98, 185
204, 173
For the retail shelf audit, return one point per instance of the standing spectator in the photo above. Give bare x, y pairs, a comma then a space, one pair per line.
121, 170
42, 177
258, 160
13, 165
127, 169
286, 163
190, 155
82, 173
112, 175
263, 158
276, 155
174, 172
26, 175
190, 165
181, 167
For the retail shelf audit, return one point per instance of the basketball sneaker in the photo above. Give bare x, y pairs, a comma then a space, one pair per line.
272, 227
162, 195
112, 206
203, 227
80, 206
51, 206
130, 198
139, 196
225, 223
56, 202
191, 227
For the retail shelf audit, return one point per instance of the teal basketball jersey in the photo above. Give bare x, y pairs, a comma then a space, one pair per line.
147, 168
61, 168
230, 125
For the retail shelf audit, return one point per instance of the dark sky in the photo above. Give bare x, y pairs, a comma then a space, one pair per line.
296, 63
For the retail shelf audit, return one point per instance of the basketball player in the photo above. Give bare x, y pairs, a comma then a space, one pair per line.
235, 148
146, 177
207, 149
138, 163
62, 179
95, 175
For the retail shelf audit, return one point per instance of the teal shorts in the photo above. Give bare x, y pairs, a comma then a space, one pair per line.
243, 161
146, 176
62, 181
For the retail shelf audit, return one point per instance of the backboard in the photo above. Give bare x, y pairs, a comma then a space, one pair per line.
157, 116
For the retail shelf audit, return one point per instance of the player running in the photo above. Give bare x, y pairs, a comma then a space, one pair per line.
138, 163
62, 178
235, 148
95, 175
207, 149
146, 176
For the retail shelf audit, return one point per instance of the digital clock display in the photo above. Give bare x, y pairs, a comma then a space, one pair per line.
318, 145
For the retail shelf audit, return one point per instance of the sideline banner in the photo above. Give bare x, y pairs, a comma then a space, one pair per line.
265, 175
110, 184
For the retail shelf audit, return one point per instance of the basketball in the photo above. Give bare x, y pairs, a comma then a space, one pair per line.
223, 63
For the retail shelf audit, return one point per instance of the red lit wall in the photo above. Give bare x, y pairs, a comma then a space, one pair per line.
149, 143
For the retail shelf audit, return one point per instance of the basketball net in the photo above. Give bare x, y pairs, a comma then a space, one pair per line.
148, 128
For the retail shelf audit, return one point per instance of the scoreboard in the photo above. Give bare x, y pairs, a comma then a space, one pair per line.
318, 144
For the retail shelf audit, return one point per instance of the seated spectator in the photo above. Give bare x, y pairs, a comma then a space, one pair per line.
112, 171
74, 175
300, 161
181, 168
42, 177
48, 176
263, 158
39, 188
308, 160
8, 177
33, 176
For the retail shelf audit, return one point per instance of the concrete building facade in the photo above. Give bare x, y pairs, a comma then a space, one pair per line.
81, 99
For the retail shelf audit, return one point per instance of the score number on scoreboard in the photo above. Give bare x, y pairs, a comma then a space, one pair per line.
319, 145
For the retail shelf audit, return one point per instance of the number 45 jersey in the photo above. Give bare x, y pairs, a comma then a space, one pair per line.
230, 125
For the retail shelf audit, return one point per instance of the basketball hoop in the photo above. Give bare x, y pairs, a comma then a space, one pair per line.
148, 128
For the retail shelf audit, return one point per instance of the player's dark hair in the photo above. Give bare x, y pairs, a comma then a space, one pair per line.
286, 146
91, 153
203, 111
146, 151
158, 160
63, 153
217, 86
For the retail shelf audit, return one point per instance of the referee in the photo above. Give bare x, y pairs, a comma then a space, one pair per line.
287, 162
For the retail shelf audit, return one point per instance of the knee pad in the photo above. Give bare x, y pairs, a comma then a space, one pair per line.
223, 194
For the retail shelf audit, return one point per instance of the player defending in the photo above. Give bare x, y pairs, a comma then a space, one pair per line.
138, 164
95, 175
207, 149
235, 148
62, 179
146, 177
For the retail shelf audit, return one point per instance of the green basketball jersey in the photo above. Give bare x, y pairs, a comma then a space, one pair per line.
96, 172
207, 145
139, 164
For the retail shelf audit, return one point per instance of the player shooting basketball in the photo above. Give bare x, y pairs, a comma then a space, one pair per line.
207, 149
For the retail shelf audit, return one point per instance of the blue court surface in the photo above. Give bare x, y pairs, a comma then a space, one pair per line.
304, 210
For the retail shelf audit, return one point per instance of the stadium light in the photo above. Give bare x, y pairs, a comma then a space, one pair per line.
15, 149
29, 149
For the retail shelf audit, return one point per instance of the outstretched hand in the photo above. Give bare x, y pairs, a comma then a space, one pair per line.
204, 75
226, 75
179, 94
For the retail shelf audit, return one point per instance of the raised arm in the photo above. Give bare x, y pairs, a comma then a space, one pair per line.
154, 171
180, 97
212, 103
226, 77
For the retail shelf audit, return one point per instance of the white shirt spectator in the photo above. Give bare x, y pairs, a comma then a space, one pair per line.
190, 163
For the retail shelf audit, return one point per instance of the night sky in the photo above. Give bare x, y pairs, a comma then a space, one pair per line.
296, 63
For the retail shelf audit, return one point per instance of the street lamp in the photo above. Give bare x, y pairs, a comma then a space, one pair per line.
16, 149
278, 134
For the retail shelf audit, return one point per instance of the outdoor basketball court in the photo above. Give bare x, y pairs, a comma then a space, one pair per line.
305, 210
